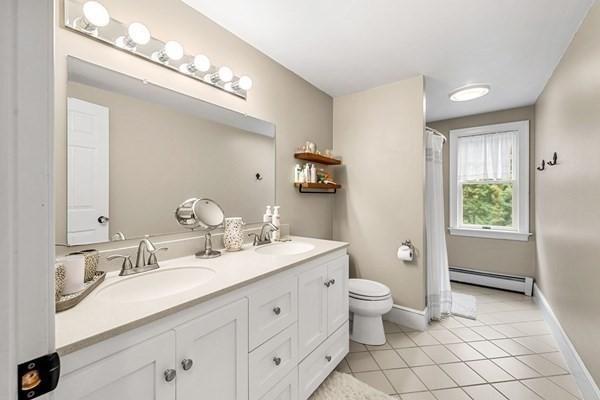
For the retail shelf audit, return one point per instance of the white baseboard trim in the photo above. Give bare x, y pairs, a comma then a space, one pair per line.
582, 376
408, 317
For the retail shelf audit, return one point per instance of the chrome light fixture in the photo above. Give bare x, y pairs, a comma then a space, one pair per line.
86, 17
469, 92
95, 15
137, 34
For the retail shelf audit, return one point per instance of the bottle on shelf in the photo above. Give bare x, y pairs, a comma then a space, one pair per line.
313, 174
297, 174
277, 223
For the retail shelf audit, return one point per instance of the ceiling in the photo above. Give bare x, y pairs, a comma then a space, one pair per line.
344, 46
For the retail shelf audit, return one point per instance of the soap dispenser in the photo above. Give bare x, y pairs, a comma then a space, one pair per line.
277, 223
268, 217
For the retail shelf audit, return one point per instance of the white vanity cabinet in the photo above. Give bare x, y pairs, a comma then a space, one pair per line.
323, 302
277, 338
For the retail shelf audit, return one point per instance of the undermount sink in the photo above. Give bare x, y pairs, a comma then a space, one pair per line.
155, 284
285, 248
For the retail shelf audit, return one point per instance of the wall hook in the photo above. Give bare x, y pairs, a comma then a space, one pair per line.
554, 160
542, 166
258, 176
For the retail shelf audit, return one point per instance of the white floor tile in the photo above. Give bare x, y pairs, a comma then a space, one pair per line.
533, 328
515, 390
556, 358
538, 344
399, 340
516, 368
465, 352
414, 356
418, 396
343, 367
484, 392
489, 371
356, 347
451, 394
488, 349
404, 380
547, 389
385, 346
361, 362
462, 374
568, 383
512, 347
542, 365
440, 354
434, 377
467, 334
445, 337
488, 332
388, 359
377, 380
423, 338
509, 330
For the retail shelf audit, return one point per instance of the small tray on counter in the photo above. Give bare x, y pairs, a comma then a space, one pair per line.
71, 300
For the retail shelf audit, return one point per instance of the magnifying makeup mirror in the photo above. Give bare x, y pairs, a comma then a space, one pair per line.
204, 214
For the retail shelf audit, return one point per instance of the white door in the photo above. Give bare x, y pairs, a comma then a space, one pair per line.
337, 294
212, 355
87, 176
137, 373
312, 309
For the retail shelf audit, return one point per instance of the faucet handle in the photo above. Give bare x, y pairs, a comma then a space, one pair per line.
256, 238
152, 258
126, 262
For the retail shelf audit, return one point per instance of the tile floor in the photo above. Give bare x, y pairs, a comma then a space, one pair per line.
507, 353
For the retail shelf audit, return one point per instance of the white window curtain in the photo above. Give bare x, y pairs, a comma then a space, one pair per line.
487, 157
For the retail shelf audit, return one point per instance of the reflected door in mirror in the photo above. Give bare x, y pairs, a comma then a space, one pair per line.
87, 172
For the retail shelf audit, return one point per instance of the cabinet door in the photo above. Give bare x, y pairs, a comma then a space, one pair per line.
337, 294
217, 346
312, 309
136, 373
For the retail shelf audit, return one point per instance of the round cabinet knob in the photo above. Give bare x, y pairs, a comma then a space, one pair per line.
186, 364
277, 310
102, 219
328, 283
277, 360
170, 375
328, 358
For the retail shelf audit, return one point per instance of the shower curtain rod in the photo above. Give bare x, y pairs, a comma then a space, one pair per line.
436, 132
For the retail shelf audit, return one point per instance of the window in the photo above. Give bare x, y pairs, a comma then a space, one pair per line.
489, 181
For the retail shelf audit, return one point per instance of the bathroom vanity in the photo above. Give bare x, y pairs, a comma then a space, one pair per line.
268, 322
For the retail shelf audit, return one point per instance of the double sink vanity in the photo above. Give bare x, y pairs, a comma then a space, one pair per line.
268, 322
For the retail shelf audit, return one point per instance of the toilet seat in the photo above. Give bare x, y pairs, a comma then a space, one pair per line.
367, 290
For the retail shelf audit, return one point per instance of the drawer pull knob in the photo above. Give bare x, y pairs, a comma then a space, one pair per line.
186, 364
328, 283
277, 310
328, 358
277, 360
170, 375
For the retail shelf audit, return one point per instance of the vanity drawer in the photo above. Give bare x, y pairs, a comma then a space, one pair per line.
319, 364
272, 361
286, 389
272, 309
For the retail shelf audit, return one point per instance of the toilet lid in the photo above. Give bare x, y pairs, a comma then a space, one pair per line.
367, 288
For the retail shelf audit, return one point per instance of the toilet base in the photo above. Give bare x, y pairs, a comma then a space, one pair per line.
367, 330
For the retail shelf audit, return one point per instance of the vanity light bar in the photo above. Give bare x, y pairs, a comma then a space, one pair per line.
92, 19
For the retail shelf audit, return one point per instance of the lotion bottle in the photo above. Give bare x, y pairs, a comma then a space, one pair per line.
268, 217
313, 174
277, 223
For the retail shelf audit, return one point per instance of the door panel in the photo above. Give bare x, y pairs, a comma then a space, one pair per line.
337, 294
87, 172
136, 373
217, 344
312, 309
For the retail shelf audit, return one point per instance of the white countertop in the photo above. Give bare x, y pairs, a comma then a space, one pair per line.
96, 319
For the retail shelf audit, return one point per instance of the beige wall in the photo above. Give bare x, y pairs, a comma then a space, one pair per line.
299, 110
379, 132
501, 256
203, 158
568, 195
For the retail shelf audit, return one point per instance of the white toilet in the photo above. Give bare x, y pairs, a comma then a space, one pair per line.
369, 300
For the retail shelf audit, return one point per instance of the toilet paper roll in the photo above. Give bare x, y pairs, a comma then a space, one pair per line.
74, 273
405, 253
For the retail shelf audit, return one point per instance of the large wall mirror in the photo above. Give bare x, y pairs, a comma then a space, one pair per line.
135, 150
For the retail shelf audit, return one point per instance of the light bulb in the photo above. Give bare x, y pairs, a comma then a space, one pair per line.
139, 33
173, 50
95, 14
225, 74
201, 63
245, 83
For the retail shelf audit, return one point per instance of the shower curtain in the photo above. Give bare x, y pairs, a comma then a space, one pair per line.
439, 295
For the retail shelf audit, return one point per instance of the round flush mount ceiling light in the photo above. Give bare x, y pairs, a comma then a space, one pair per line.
469, 92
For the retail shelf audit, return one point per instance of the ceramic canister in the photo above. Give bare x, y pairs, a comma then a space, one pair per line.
233, 236
74, 273
92, 258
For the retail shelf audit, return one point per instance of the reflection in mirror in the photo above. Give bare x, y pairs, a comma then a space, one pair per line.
132, 150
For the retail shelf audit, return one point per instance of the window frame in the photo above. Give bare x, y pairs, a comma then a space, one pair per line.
520, 185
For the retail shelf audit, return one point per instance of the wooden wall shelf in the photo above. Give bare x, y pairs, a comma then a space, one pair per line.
317, 187
317, 158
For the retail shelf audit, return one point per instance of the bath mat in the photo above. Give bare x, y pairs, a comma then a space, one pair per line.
464, 305
340, 386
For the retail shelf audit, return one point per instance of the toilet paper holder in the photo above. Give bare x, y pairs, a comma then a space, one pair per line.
409, 244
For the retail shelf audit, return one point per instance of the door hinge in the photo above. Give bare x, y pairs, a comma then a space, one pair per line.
38, 377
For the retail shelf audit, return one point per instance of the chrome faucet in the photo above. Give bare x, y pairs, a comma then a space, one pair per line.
265, 236
145, 259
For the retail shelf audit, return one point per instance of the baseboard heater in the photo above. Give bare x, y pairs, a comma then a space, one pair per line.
514, 283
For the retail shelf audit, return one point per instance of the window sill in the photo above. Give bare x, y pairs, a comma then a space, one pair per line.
490, 234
